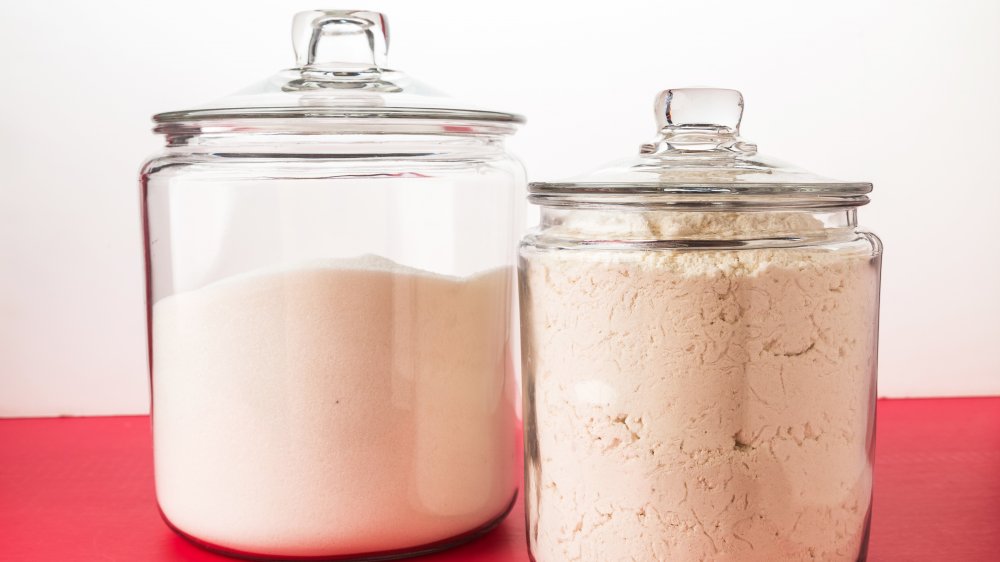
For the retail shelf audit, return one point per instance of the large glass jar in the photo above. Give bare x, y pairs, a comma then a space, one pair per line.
330, 267
699, 354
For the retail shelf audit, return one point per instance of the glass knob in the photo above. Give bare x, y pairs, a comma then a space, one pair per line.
340, 45
698, 120
700, 108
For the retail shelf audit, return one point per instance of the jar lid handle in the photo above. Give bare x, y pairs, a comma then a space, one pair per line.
340, 45
715, 108
698, 119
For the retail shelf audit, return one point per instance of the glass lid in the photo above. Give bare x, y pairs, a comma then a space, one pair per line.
340, 74
699, 159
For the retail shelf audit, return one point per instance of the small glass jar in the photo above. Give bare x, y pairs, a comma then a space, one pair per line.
699, 335
330, 266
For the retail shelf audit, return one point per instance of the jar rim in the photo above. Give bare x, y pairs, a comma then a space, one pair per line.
700, 196
336, 113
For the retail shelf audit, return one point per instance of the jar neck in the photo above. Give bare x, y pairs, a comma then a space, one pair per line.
346, 144
634, 227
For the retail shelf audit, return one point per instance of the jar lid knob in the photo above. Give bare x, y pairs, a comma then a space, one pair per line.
698, 119
340, 45
713, 108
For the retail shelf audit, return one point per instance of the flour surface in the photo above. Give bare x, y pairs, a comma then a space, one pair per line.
698, 405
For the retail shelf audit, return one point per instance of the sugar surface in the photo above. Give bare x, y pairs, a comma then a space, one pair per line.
334, 407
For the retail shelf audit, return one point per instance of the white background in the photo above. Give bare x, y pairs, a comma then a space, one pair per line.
904, 94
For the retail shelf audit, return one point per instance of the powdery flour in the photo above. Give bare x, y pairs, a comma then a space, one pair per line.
334, 408
699, 405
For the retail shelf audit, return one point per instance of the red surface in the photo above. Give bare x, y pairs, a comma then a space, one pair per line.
81, 489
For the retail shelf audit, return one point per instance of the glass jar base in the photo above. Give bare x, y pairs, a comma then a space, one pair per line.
420, 550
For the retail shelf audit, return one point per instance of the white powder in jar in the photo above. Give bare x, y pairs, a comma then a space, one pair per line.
699, 405
334, 408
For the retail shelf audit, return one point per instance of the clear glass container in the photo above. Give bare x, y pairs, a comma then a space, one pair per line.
330, 266
699, 341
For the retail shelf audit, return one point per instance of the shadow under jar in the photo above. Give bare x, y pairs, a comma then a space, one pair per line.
699, 337
330, 265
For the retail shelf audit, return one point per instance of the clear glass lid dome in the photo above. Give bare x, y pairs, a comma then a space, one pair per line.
699, 159
340, 77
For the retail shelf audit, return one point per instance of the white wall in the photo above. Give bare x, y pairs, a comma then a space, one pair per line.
900, 93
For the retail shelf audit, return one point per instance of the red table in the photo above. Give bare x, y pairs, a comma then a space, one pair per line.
81, 489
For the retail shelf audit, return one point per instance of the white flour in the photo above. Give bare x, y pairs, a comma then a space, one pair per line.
699, 405
334, 408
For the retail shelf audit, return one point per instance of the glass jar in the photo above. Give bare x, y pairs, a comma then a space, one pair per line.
699, 334
330, 267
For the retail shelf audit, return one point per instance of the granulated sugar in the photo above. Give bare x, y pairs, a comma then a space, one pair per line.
333, 408
699, 405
